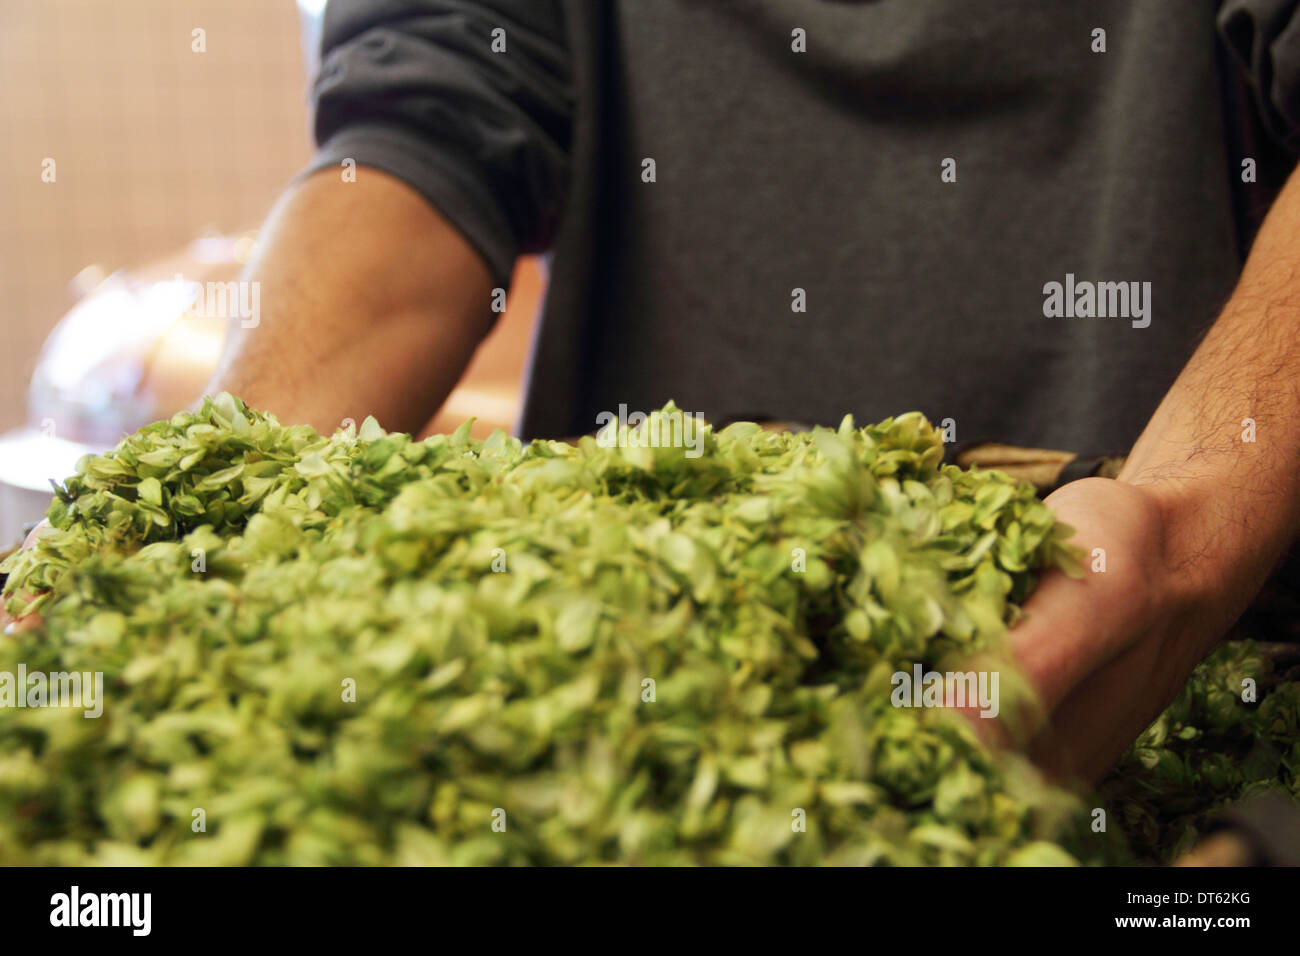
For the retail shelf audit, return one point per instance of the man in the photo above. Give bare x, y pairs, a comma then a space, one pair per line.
1020, 216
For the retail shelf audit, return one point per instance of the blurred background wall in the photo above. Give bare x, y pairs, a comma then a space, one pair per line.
159, 136
153, 143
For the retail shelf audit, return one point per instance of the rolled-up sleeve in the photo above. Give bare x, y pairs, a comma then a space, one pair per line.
422, 90
1263, 37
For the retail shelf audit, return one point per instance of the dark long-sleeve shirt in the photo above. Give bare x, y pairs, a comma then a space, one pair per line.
855, 206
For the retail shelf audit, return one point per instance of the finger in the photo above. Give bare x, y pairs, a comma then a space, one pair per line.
1013, 715
1064, 635
1073, 626
1094, 725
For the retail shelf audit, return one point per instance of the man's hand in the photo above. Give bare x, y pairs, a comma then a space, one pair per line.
1108, 651
1205, 506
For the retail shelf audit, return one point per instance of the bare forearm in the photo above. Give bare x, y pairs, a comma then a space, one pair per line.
371, 304
1222, 452
1181, 544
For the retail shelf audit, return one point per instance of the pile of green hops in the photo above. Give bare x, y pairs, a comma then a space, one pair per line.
364, 649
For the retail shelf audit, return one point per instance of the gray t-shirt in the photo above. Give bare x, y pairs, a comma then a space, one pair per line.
1018, 215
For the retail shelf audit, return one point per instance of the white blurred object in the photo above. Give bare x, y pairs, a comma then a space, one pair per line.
310, 13
26, 454
130, 352
90, 377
